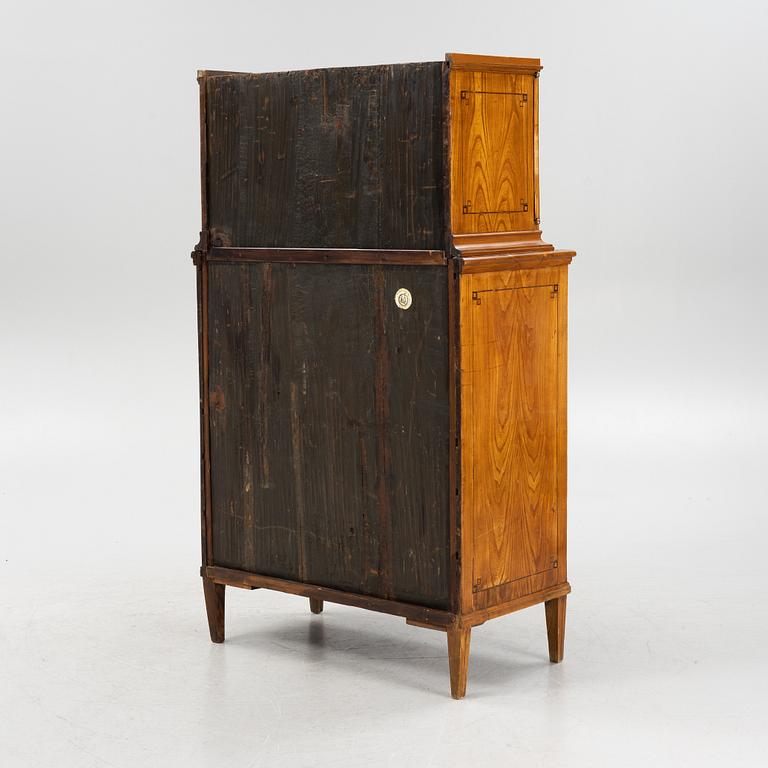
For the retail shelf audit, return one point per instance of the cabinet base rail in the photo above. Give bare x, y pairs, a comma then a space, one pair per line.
457, 626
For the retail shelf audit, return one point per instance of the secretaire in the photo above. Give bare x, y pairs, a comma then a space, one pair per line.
383, 340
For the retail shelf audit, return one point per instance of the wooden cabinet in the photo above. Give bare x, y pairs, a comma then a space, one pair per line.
382, 345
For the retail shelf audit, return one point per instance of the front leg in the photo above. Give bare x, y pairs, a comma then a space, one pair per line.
555, 612
458, 659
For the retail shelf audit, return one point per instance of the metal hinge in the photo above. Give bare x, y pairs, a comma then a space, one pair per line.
475, 297
465, 208
553, 293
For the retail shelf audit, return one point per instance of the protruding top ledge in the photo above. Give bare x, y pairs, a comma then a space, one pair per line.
485, 243
490, 251
507, 261
494, 63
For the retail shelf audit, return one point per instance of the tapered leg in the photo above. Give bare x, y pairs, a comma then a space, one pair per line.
555, 611
315, 605
458, 659
214, 607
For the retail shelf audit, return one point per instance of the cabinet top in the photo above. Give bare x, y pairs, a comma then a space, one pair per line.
493, 63
469, 61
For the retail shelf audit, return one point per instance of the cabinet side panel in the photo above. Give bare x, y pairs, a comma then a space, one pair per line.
493, 124
511, 368
335, 158
329, 426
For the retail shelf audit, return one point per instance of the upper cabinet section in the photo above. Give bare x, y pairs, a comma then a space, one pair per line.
358, 157
334, 158
494, 144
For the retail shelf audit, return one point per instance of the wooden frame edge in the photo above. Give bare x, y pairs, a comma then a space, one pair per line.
481, 615
466, 457
494, 262
562, 422
328, 256
511, 64
202, 320
536, 150
454, 444
246, 579
415, 615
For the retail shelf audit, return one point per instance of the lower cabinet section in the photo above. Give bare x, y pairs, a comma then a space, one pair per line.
387, 436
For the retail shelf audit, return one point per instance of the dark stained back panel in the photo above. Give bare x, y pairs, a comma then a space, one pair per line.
335, 158
330, 426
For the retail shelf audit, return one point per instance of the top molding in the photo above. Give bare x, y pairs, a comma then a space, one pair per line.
493, 63
469, 61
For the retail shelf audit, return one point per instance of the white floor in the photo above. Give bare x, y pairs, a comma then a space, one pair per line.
105, 658
113, 669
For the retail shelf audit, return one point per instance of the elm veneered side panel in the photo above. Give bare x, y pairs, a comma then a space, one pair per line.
514, 433
329, 426
513, 447
336, 158
493, 125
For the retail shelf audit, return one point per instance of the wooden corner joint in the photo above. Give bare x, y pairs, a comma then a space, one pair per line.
200, 251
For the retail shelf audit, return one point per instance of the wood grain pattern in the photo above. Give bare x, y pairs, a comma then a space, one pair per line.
492, 151
205, 414
487, 243
454, 468
473, 61
330, 426
337, 158
511, 367
506, 262
326, 256
502, 608
514, 353
420, 613
555, 615
512, 590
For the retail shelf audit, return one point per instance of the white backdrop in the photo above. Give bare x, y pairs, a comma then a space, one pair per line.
653, 164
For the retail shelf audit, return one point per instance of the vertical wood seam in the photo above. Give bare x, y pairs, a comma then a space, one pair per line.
207, 424
454, 444
536, 194
557, 427
202, 288
381, 394
298, 479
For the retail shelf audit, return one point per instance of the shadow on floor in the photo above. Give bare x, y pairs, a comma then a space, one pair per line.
411, 657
